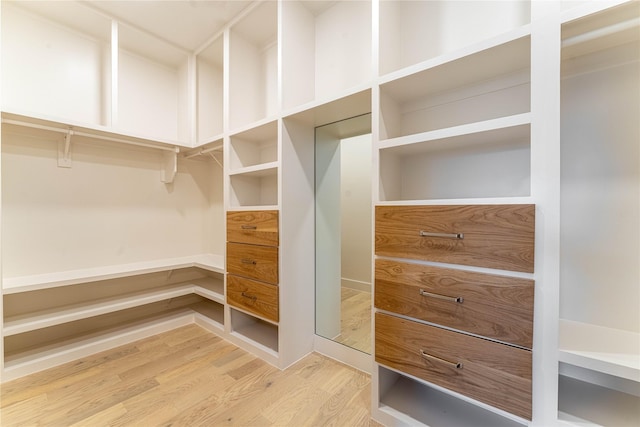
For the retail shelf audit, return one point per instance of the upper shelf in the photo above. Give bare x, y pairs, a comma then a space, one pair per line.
12, 285
598, 348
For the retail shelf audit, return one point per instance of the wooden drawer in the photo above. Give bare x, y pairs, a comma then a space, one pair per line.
258, 298
255, 227
253, 261
493, 236
496, 307
493, 373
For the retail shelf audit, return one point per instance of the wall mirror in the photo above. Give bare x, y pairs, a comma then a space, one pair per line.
343, 212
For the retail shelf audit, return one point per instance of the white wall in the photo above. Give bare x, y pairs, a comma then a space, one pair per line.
355, 181
110, 207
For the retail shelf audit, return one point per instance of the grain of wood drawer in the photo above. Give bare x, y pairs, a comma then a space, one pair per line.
494, 236
497, 307
255, 227
253, 261
493, 373
258, 298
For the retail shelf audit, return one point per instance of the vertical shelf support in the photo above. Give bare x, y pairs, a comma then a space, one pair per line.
64, 151
169, 165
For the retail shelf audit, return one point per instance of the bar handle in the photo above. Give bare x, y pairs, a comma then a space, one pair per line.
248, 261
459, 236
425, 355
251, 297
248, 227
442, 297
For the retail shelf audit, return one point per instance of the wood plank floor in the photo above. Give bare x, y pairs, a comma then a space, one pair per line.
188, 377
355, 321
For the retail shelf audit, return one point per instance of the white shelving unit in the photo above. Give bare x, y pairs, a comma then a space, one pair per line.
467, 107
599, 382
54, 318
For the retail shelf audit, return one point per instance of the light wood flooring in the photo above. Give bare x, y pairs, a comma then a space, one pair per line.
355, 321
188, 377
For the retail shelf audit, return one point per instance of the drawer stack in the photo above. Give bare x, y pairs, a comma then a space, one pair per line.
252, 262
468, 331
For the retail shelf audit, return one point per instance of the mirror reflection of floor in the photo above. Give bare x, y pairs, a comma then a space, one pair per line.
355, 324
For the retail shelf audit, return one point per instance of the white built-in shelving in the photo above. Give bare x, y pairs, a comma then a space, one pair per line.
456, 92
599, 336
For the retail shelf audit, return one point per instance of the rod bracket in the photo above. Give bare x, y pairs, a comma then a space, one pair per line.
169, 165
64, 150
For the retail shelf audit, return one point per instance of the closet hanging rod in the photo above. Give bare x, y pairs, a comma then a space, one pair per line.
203, 151
88, 135
601, 32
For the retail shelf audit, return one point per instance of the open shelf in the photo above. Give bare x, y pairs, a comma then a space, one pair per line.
13, 285
152, 87
607, 350
326, 49
253, 66
491, 161
491, 83
413, 31
210, 94
254, 147
73, 46
39, 350
587, 403
416, 403
255, 186
256, 331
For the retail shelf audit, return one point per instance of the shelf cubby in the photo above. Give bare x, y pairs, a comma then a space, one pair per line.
414, 31
254, 147
73, 46
258, 332
326, 49
416, 403
210, 93
254, 187
590, 398
489, 83
492, 161
152, 87
253, 66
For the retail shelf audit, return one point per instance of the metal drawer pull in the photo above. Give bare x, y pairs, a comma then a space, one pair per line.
444, 297
251, 297
248, 227
446, 235
248, 261
457, 365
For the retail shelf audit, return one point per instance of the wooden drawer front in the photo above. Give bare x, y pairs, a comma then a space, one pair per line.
253, 261
256, 297
493, 236
496, 307
255, 227
493, 373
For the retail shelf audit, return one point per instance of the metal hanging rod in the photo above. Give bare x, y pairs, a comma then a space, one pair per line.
203, 151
